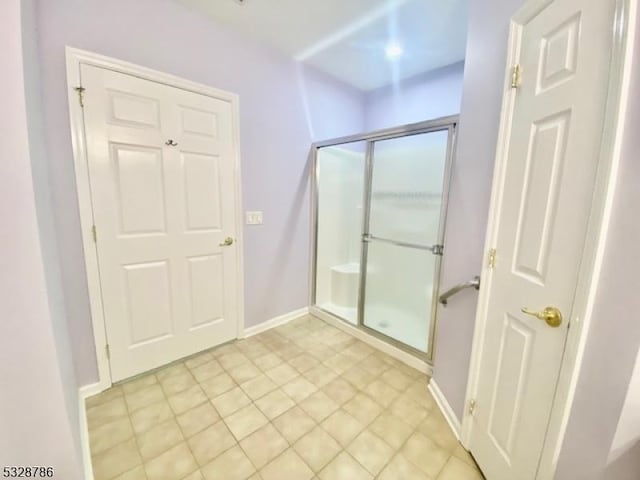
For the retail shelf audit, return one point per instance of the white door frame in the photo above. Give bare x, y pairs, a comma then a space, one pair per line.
75, 58
593, 254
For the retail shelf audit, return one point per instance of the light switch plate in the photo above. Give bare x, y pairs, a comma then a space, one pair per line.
253, 218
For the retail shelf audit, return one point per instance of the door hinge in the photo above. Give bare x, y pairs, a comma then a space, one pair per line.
492, 258
472, 406
438, 250
516, 76
107, 351
94, 234
80, 91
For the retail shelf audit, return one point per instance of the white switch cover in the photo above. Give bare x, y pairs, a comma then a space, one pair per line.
254, 218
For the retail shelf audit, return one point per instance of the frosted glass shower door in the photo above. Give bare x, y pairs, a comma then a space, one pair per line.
403, 236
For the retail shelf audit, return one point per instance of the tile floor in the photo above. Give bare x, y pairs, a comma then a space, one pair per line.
302, 401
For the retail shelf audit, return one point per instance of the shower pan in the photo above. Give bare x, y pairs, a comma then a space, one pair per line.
379, 212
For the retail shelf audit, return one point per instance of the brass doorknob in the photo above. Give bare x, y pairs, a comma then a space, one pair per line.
551, 315
227, 242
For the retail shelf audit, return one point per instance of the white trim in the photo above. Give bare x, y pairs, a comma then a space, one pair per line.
445, 408
375, 342
596, 236
84, 393
75, 58
275, 322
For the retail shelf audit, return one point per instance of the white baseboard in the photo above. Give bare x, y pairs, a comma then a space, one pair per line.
84, 393
375, 342
445, 408
275, 322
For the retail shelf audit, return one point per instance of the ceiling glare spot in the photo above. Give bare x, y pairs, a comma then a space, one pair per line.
393, 51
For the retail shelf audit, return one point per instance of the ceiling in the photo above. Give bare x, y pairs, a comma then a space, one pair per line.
347, 38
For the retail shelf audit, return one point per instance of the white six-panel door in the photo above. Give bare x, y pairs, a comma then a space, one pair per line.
553, 144
162, 182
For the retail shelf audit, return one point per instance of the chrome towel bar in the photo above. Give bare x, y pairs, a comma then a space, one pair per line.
473, 283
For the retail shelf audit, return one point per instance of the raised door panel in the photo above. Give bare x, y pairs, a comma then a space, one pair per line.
202, 191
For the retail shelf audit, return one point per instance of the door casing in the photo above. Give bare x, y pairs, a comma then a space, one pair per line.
593, 254
74, 59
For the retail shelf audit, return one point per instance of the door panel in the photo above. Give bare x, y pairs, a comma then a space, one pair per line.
161, 211
404, 233
553, 151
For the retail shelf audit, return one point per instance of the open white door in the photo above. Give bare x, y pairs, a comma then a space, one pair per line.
161, 170
553, 145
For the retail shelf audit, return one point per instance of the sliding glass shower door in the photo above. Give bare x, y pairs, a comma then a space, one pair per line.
403, 236
380, 205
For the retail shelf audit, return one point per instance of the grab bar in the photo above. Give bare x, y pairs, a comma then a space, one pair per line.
473, 283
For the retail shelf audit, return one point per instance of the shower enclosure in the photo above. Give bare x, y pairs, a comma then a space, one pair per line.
380, 202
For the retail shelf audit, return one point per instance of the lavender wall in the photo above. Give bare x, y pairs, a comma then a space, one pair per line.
470, 188
35, 420
434, 94
614, 337
283, 108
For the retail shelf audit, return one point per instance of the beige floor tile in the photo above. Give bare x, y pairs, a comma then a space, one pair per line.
381, 392
245, 421
110, 434
374, 365
437, 429
274, 403
303, 362
461, 454
371, 452
425, 454
363, 408
244, 372
172, 464
264, 445
342, 426
358, 377
231, 401
456, 469
231, 465
137, 383
344, 467
225, 349
339, 362
197, 475
396, 379
106, 412
258, 387
186, 400
232, 359
320, 375
169, 370
392, 429
177, 383
408, 410
137, 473
197, 360
319, 406
217, 385
197, 419
99, 399
420, 393
282, 374
288, 466
317, 448
294, 423
211, 442
268, 361
143, 397
159, 439
399, 468
299, 388
207, 370
150, 416
117, 460
339, 390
